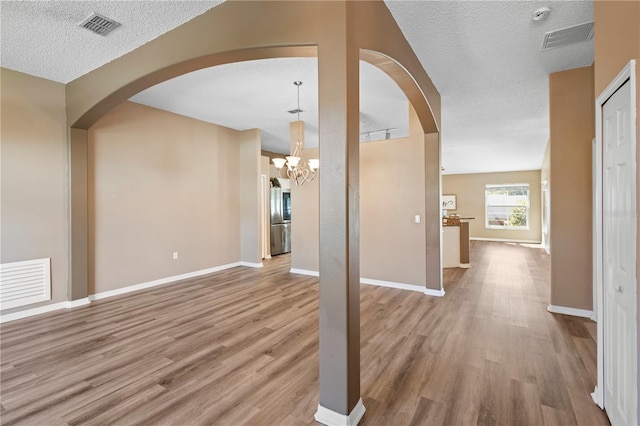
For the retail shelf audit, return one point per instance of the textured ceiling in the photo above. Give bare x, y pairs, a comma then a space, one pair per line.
484, 58
42, 38
259, 94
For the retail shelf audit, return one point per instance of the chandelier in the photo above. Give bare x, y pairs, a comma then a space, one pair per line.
298, 169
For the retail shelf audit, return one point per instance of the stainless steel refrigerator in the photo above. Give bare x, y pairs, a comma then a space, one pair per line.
280, 221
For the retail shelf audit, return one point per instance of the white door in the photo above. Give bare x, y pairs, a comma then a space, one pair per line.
619, 255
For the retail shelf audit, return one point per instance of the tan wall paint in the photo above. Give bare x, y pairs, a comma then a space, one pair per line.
616, 41
392, 192
249, 187
572, 128
469, 190
305, 217
159, 183
33, 141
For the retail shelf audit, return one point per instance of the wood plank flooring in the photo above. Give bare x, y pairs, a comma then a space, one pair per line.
241, 347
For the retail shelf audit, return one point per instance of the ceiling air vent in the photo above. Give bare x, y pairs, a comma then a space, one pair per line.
99, 24
567, 36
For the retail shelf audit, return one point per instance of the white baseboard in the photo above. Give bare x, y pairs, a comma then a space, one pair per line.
77, 303
381, 283
432, 292
597, 397
44, 309
506, 240
87, 300
162, 281
304, 272
251, 264
402, 286
332, 418
33, 311
569, 311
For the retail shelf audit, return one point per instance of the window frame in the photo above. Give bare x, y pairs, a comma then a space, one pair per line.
487, 187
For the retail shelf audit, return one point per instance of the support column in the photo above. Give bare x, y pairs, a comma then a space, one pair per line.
338, 74
78, 216
433, 213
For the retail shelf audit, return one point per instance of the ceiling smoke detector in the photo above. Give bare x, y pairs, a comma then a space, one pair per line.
99, 24
566, 36
541, 14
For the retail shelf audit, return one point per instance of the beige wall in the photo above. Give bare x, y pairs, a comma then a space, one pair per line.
305, 217
572, 128
469, 190
392, 191
33, 143
250, 196
160, 183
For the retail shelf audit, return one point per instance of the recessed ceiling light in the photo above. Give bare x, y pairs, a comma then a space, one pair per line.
541, 14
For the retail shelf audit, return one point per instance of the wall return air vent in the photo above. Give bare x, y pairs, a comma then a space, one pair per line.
566, 36
99, 24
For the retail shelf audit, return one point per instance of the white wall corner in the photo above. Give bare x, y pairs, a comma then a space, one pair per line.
583, 313
332, 418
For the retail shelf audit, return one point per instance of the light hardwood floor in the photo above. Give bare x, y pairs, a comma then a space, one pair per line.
241, 347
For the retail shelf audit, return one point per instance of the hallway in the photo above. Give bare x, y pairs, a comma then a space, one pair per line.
241, 347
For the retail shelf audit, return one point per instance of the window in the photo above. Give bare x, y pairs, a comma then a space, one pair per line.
507, 206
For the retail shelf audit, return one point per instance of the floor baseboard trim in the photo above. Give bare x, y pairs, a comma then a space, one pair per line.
596, 396
77, 303
45, 309
162, 281
505, 240
304, 272
33, 311
402, 286
329, 417
87, 300
380, 283
432, 292
569, 311
252, 264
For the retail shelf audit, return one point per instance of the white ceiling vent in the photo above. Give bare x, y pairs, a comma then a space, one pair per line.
99, 24
566, 36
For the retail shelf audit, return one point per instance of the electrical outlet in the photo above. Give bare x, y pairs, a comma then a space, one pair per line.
175, 255
417, 218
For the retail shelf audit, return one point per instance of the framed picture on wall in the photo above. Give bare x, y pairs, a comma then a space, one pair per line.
448, 202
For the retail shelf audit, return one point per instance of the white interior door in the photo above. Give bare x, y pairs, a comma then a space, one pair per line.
619, 258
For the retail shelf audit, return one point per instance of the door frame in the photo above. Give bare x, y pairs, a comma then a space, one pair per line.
627, 73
